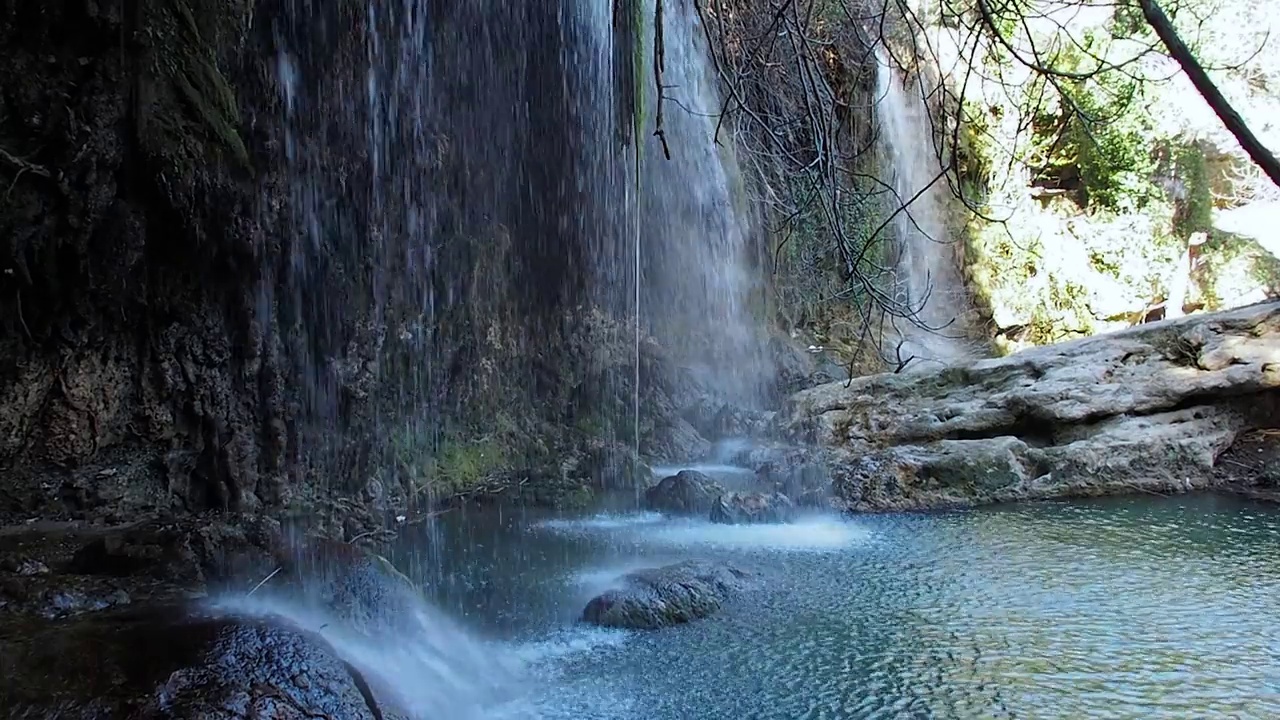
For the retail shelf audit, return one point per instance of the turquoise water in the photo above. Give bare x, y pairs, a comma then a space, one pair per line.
1135, 608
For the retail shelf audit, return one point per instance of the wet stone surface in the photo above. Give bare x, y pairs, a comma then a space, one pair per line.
670, 595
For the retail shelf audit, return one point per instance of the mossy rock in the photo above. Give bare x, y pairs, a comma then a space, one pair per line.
188, 113
463, 467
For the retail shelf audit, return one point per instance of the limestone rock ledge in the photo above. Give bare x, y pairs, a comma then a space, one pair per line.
1148, 409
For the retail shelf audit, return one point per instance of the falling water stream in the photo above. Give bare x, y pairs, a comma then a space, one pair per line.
443, 121
928, 266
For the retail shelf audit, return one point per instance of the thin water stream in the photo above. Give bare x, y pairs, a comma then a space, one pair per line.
929, 264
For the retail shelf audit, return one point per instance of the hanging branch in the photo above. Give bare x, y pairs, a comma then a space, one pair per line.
624, 82
659, 61
1227, 114
794, 86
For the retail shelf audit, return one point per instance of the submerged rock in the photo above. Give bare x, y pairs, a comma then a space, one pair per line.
171, 662
745, 508
665, 596
688, 492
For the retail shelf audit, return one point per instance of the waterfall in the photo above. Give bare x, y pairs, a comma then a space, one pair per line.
462, 176
928, 267
699, 239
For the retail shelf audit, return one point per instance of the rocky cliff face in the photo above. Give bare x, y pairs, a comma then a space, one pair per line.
138, 220
230, 279
1150, 409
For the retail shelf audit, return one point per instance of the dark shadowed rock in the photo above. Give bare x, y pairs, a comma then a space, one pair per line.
744, 508
55, 570
724, 420
795, 367
688, 492
806, 481
195, 551
662, 597
170, 662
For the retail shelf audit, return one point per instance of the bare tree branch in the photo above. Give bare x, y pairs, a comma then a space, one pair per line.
1230, 118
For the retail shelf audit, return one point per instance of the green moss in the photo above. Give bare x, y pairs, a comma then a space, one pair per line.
460, 467
455, 467
193, 109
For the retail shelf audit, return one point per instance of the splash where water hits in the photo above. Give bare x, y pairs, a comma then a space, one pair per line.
428, 663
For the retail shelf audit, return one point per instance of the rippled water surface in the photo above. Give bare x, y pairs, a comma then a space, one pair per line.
1141, 608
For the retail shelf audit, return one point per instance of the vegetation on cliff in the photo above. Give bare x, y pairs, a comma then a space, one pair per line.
1095, 175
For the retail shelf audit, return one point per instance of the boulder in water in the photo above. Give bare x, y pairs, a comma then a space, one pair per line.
353, 583
745, 508
168, 662
688, 492
665, 596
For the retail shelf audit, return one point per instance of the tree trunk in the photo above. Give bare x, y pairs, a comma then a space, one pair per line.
1182, 54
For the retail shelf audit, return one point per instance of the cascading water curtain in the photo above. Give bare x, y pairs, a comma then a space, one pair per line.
638, 25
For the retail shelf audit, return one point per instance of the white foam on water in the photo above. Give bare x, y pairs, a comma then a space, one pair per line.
569, 642
816, 533
664, 471
597, 579
601, 521
811, 533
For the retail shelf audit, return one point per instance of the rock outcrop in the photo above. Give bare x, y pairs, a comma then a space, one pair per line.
1147, 409
671, 595
746, 508
688, 492
172, 662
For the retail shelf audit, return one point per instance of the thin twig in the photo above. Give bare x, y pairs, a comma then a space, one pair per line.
265, 579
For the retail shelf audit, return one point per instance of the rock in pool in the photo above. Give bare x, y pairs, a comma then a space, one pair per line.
175, 662
352, 583
688, 492
670, 595
735, 508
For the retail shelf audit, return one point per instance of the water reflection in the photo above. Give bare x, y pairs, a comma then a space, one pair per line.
1138, 608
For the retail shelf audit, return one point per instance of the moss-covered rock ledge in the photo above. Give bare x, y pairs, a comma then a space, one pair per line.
1151, 409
